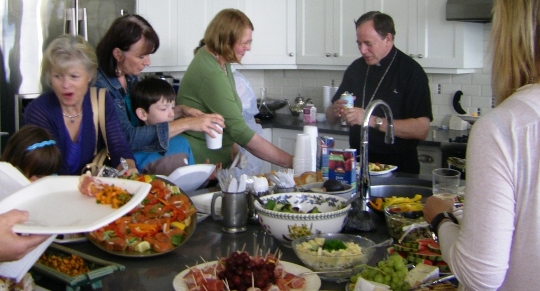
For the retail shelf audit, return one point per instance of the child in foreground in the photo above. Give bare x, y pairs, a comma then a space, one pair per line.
33, 151
153, 101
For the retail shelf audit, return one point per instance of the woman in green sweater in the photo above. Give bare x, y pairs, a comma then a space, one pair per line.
208, 85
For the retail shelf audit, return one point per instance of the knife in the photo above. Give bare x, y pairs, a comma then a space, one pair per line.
436, 281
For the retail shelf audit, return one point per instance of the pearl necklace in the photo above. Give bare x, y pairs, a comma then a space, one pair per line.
72, 117
222, 65
380, 81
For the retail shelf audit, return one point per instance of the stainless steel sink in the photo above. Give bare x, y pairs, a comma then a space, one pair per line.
400, 187
385, 191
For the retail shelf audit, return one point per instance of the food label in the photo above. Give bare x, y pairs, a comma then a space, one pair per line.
342, 166
327, 143
349, 98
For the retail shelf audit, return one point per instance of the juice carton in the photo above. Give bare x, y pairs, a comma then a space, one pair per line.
327, 143
342, 166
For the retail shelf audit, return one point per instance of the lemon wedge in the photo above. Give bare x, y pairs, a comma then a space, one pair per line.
142, 246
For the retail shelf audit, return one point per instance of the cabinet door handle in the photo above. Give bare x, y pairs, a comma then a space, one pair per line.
420, 56
411, 55
291, 54
336, 55
328, 55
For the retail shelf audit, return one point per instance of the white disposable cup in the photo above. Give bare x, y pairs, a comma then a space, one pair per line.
313, 132
446, 182
214, 143
303, 146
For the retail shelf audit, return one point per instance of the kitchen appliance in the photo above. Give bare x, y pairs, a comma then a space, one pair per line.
469, 10
27, 29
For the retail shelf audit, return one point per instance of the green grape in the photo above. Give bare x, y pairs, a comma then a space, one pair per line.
381, 264
396, 280
387, 279
354, 278
401, 274
387, 270
379, 278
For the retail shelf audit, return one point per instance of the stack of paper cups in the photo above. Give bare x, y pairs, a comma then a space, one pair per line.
302, 154
328, 94
313, 135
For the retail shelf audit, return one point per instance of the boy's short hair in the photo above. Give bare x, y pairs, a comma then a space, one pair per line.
149, 91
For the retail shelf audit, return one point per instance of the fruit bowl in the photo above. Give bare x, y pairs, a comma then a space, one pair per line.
286, 226
357, 252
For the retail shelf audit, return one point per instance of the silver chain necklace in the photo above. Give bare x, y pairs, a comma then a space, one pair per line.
72, 117
223, 67
380, 81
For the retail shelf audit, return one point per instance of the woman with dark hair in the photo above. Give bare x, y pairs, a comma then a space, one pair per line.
208, 85
123, 53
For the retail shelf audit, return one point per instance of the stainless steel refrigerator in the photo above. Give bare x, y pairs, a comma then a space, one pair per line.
27, 27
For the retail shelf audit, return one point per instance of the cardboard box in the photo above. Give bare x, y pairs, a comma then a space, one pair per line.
342, 166
327, 143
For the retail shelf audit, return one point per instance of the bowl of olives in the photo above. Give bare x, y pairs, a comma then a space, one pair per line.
404, 214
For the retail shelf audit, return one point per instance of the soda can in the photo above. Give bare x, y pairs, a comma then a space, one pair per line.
349, 98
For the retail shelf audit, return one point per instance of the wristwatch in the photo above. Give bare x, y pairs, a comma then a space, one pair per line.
438, 218
378, 123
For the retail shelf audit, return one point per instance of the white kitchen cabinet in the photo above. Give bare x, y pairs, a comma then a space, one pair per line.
181, 25
285, 139
164, 20
274, 37
438, 45
326, 32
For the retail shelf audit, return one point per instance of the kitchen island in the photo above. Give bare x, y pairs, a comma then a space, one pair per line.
207, 243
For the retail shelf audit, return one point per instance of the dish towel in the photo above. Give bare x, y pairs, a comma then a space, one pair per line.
12, 180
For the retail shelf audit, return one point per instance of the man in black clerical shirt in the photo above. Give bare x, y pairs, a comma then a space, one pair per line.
384, 72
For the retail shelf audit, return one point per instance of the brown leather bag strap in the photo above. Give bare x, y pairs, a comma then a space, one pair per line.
102, 115
95, 113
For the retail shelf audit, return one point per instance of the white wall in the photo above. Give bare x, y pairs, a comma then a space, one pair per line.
287, 84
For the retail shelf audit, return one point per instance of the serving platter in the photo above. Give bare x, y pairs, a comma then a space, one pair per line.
56, 206
191, 177
313, 282
190, 221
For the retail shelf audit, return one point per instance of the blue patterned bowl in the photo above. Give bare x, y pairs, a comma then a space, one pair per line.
286, 226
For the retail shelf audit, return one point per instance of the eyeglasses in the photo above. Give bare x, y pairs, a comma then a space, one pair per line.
245, 44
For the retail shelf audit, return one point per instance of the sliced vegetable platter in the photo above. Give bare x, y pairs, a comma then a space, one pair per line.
162, 222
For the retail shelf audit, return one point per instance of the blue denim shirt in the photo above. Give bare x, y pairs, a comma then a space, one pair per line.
154, 138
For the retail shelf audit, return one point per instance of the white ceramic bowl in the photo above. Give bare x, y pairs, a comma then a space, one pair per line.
286, 226
317, 188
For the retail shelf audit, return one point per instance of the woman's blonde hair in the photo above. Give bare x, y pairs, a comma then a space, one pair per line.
224, 31
66, 51
514, 44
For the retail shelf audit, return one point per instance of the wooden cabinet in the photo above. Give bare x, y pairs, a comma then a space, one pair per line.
326, 32
436, 44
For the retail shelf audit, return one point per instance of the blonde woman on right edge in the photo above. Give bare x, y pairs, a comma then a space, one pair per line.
494, 246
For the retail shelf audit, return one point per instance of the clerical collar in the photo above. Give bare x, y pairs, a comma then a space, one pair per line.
386, 60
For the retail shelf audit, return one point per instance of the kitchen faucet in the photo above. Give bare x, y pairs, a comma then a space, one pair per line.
365, 180
362, 220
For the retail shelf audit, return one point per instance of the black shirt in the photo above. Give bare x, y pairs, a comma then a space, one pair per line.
406, 90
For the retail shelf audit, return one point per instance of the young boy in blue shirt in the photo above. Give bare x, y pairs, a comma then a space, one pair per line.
153, 101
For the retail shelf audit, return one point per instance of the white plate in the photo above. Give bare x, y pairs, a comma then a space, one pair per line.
468, 118
313, 282
70, 238
57, 207
203, 202
376, 173
191, 177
